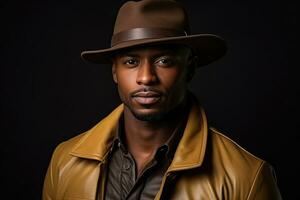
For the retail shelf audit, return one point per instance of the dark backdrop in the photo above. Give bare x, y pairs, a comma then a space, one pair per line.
48, 94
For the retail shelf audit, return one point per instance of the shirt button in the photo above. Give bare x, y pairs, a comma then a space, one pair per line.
126, 164
171, 176
163, 150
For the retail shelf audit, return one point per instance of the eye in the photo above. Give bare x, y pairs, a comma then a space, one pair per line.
130, 62
164, 62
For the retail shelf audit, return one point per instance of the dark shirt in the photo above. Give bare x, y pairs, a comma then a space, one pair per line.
122, 181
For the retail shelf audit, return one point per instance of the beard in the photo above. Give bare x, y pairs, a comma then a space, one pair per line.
148, 117
162, 114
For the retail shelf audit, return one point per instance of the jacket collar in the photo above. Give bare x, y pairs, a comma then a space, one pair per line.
191, 148
96, 143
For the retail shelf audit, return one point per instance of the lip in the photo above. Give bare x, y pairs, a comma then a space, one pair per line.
147, 98
146, 94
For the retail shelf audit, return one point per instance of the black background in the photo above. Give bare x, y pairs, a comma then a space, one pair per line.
48, 94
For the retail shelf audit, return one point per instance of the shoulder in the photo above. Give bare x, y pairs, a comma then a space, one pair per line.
228, 147
242, 169
228, 171
239, 165
63, 149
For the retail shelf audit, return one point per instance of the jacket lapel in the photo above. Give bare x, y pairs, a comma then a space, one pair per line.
191, 148
95, 144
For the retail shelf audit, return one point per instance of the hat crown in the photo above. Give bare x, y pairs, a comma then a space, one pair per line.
161, 14
157, 22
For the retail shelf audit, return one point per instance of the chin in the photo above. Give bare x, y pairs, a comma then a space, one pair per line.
148, 115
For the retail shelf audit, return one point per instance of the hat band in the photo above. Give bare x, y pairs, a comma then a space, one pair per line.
145, 33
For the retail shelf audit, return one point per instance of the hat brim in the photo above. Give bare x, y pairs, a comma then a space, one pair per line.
207, 47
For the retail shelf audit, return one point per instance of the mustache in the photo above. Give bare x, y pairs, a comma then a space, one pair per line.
146, 89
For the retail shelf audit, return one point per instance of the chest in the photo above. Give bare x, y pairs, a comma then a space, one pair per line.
125, 183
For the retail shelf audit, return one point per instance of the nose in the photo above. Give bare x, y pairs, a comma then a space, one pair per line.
146, 74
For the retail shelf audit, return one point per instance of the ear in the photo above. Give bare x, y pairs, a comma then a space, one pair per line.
113, 70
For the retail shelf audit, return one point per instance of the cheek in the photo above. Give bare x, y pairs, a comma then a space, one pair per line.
175, 84
173, 79
125, 81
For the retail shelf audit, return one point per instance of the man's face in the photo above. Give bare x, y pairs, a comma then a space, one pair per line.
151, 80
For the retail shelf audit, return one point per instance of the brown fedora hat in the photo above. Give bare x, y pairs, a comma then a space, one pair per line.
154, 22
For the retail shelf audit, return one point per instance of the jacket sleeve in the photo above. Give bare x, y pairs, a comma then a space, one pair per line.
50, 181
265, 185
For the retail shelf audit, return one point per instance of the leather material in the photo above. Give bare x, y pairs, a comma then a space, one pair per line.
206, 165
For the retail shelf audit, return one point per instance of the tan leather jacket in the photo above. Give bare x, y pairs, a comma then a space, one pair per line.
207, 165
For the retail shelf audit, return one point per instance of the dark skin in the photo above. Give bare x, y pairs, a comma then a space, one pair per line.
152, 84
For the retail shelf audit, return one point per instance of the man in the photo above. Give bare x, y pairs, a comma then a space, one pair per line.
157, 144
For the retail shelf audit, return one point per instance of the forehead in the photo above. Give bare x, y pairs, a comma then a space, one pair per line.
155, 50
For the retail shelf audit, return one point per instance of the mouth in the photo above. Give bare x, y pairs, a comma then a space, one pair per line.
147, 98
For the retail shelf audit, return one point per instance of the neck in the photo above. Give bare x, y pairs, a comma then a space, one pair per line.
147, 136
